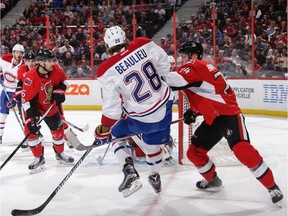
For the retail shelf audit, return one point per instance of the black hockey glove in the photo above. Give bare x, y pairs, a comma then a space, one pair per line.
189, 116
58, 94
32, 125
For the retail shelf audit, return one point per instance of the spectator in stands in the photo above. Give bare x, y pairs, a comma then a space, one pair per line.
257, 67
68, 34
282, 61
163, 44
268, 65
101, 48
259, 56
80, 73
66, 47
67, 58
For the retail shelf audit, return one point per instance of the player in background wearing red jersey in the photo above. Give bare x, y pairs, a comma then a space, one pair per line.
209, 94
134, 71
9, 65
43, 86
30, 62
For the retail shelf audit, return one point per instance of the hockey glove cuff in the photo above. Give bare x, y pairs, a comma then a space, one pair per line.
102, 137
58, 95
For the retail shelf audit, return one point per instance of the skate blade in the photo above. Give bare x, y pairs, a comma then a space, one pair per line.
135, 186
279, 204
63, 163
39, 169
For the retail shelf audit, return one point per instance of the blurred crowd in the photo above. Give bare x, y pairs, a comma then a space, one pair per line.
234, 37
69, 34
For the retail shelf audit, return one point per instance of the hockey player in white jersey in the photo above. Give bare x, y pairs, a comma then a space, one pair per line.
9, 65
132, 82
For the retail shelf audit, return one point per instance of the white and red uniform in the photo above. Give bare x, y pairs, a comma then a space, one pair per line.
9, 72
132, 72
132, 83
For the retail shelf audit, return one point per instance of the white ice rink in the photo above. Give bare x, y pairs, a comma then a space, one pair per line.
92, 190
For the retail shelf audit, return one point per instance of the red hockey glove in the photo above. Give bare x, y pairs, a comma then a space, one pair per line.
17, 95
190, 116
10, 104
101, 137
32, 125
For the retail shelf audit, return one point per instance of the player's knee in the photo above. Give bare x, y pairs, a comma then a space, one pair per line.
58, 134
198, 156
247, 154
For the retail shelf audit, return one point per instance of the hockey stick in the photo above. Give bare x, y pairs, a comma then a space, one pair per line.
84, 129
25, 138
80, 147
13, 108
37, 210
101, 158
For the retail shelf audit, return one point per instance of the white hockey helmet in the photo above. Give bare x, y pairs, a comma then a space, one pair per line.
114, 36
18, 47
171, 59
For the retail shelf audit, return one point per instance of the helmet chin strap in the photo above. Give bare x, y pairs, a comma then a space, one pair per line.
44, 68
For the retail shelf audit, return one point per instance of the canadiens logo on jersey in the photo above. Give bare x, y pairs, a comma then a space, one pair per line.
185, 70
9, 77
48, 89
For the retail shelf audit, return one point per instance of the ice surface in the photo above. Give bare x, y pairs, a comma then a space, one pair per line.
92, 189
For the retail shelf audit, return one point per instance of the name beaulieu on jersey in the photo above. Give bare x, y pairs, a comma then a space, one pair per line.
131, 60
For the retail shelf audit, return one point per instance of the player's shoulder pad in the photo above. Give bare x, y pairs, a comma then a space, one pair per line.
140, 41
30, 76
7, 58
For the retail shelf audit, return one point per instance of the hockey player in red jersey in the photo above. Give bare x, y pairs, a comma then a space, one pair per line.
210, 94
30, 62
44, 86
134, 71
9, 65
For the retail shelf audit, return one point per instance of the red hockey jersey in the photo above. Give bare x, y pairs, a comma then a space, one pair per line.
42, 88
207, 90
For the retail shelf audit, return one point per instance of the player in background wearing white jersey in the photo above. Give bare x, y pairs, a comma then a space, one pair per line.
209, 94
132, 82
9, 65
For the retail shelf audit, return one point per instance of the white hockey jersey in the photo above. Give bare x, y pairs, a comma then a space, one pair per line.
9, 72
132, 82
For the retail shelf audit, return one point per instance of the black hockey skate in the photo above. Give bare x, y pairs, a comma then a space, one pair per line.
131, 182
204, 184
64, 159
155, 182
276, 194
0, 139
38, 165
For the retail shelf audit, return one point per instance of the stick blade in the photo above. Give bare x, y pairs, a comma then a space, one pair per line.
85, 128
18, 212
71, 137
99, 159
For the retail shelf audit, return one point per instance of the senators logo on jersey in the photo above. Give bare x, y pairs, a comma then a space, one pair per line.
48, 89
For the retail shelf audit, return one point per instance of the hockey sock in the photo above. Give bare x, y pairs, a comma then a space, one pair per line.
38, 150
251, 158
58, 148
199, 157
122, 150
